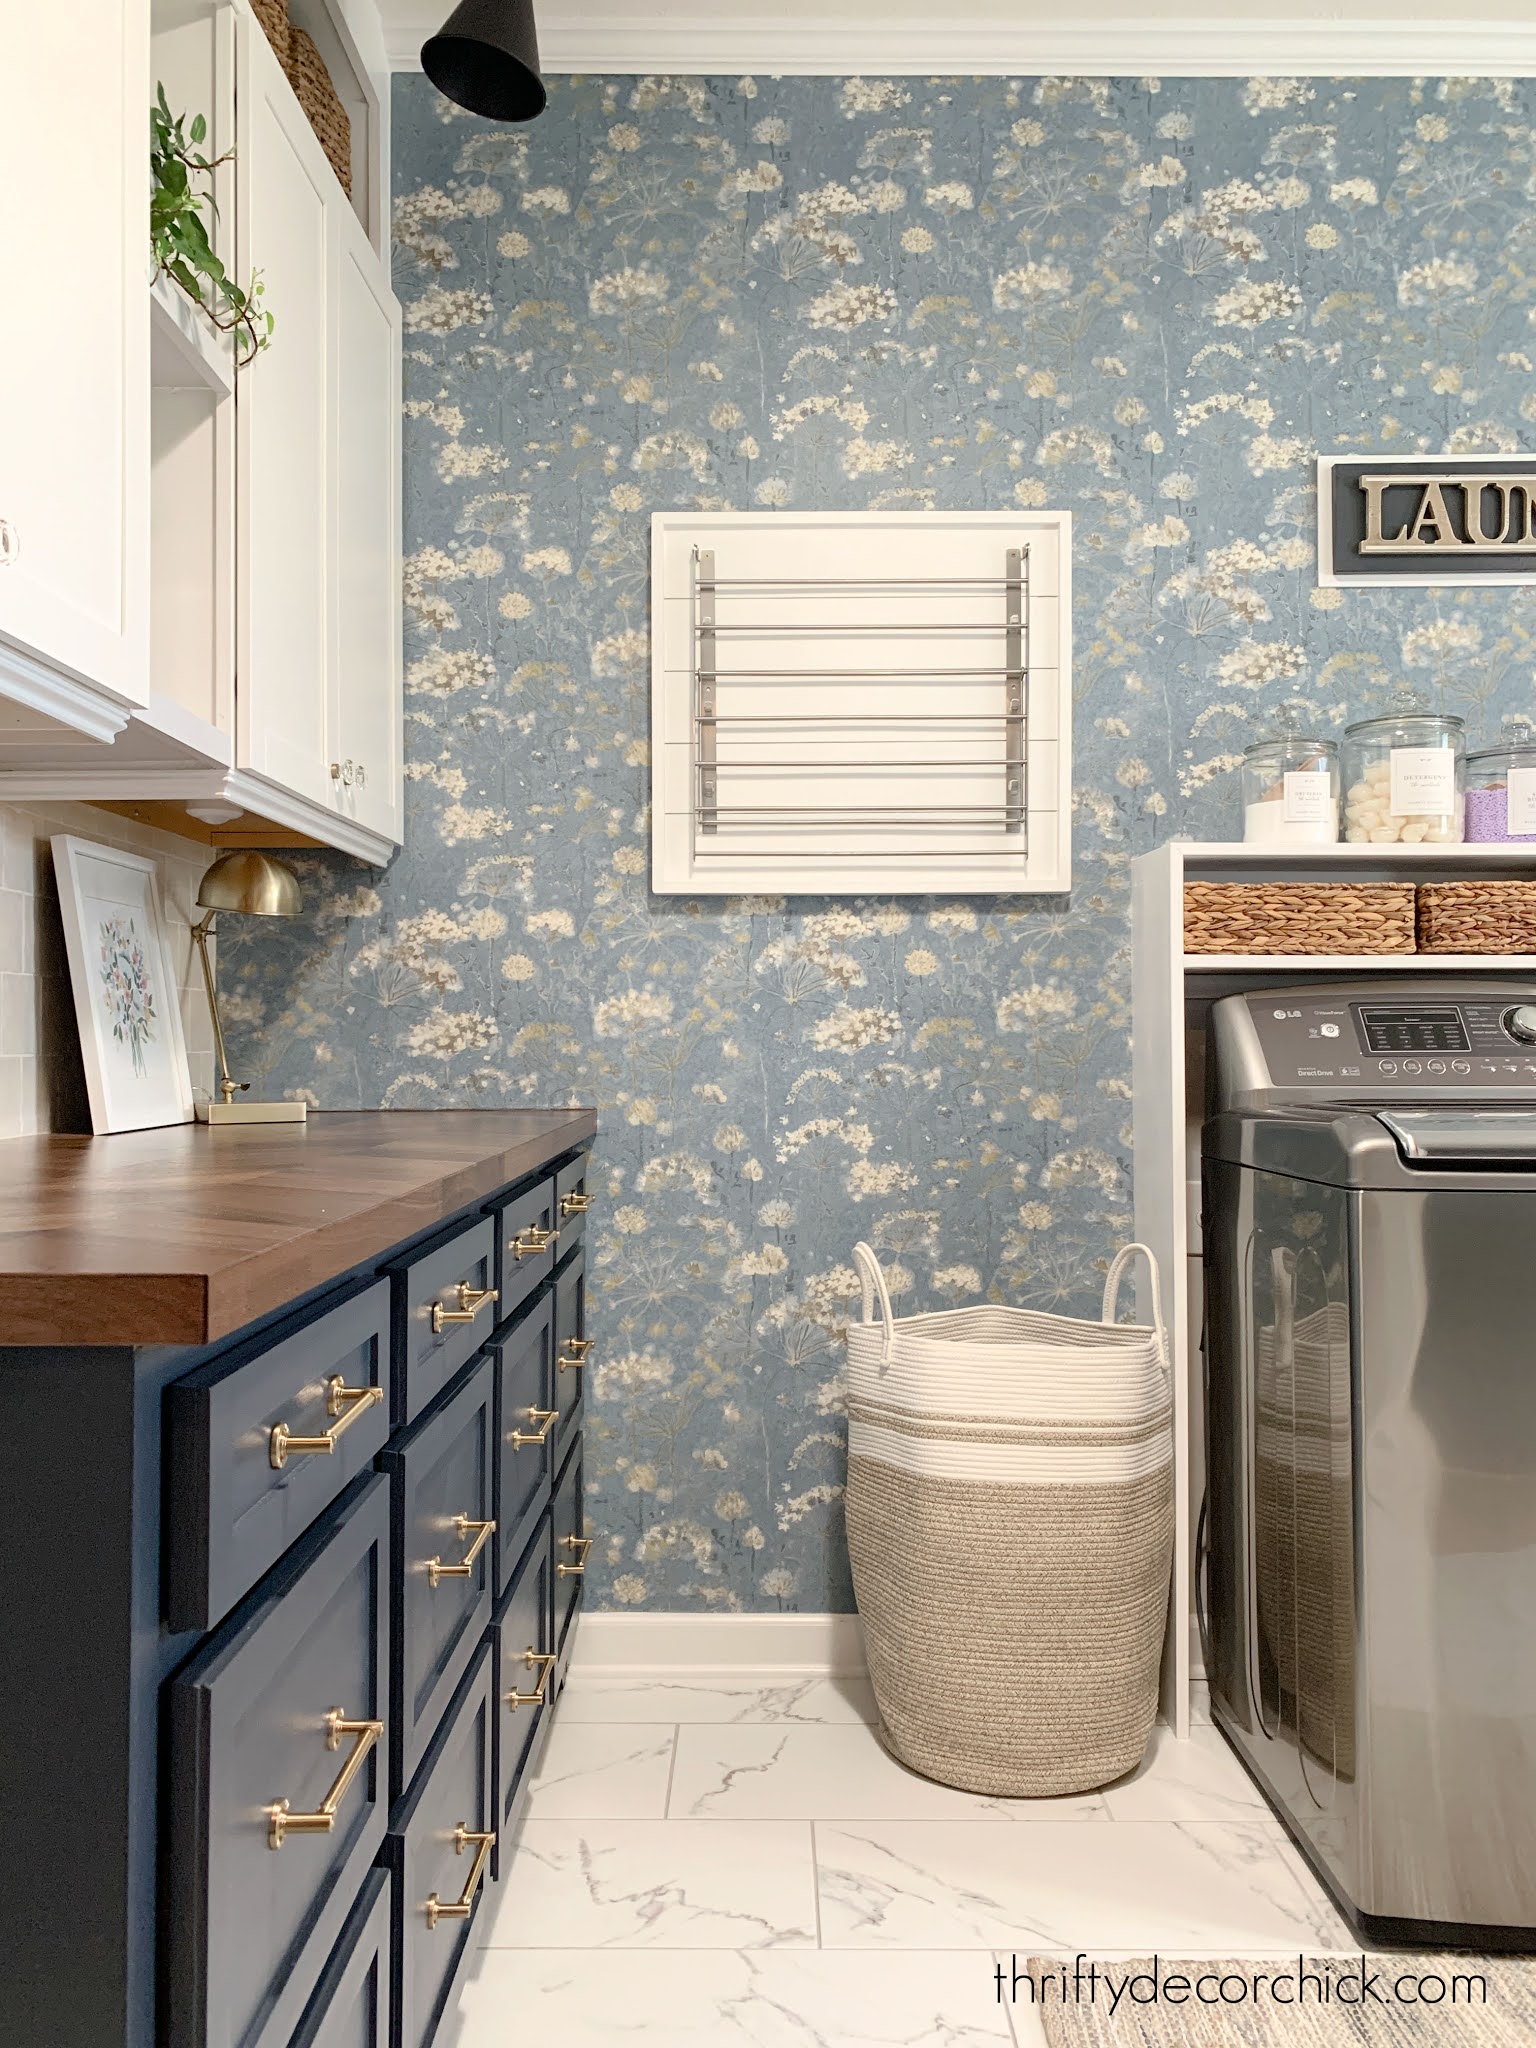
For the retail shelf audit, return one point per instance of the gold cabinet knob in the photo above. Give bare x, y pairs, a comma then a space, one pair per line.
437, 1571
576, 1350
546, 1418
581, 1545
471, 1301
344, 1402
533, 1240
464, 1905
281, 1822
533, 1659
575, 1204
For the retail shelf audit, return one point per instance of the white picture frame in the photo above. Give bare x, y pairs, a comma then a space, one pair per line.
127, 999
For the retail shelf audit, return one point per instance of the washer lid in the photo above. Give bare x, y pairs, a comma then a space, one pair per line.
1464, 1137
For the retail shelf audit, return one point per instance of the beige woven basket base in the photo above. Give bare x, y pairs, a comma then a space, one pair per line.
1013, 1632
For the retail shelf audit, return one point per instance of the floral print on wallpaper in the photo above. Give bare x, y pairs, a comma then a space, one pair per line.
1151, 302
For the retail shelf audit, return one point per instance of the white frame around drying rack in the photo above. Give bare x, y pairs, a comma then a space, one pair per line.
698, 850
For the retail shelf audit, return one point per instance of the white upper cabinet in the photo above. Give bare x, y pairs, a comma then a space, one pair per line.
199, 564
74, 360
282, 399
366, 713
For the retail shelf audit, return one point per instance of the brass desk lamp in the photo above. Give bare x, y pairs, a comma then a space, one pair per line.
254, 886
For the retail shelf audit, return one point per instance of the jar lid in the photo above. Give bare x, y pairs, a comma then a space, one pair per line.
1406, 707
1517, 735
1290, 735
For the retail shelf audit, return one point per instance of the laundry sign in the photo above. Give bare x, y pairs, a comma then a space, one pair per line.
1426, 519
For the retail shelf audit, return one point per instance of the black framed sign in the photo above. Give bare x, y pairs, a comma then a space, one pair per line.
1426, 519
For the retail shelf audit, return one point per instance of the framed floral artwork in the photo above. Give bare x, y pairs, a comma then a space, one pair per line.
126, 999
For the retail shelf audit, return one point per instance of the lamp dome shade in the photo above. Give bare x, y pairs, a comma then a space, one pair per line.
249, 882
485, 57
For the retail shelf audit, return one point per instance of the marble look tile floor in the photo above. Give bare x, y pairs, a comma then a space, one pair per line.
743, 1864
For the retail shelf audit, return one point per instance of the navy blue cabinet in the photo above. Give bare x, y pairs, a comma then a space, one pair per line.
277, 1785
440, 1473
289, 1657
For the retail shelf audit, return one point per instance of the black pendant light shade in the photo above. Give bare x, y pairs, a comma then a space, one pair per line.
485, 57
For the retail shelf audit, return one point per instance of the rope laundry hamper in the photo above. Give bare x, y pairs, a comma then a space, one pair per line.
1010, 1526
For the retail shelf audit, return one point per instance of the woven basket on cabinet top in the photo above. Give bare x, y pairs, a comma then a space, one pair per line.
273, 16
1298, 917
1010, 1527
322, 105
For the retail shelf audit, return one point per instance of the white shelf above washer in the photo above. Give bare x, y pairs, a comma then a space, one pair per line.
1357, 963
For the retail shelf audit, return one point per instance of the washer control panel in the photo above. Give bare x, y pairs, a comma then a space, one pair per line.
1385, 1039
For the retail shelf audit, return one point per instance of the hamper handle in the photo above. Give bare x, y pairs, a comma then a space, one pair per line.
1111, 1309
872, 1283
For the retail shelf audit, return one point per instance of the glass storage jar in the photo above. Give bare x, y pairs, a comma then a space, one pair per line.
1404, 775
1501, 785
1291, 787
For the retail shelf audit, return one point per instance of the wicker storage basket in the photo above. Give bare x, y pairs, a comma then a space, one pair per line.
1477, 917
321, 103
273, 16
1298, 917
1010, 1527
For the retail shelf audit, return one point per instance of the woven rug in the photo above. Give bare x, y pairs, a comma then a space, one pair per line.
1378, 2001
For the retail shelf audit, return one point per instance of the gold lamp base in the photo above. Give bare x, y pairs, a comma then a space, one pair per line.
252, 1112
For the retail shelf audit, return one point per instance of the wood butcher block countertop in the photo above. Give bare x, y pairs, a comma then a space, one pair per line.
183, 1235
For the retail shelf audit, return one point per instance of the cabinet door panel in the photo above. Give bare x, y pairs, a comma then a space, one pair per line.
74, 415
283, 183
365, 696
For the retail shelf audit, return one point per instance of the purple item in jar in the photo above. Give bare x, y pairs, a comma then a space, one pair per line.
1487, 818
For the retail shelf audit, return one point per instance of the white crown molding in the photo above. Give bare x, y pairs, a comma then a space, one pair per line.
848, 45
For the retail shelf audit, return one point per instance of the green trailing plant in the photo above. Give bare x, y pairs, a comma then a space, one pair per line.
181, 196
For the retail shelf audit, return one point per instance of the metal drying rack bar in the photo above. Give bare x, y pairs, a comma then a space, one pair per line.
710, 814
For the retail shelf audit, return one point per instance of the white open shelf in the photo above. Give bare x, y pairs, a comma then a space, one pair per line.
185, 353
1353, 963
1171, 991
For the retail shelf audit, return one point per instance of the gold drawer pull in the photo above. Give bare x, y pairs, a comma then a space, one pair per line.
575, 1205
343, 1402
533, 1658
578, 1347
471, 1301
577, 1570
532, 1240
281, 1823
464, 1905
437, 1570
519, 1439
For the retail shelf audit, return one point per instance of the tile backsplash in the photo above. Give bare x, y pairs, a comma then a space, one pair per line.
42, 1085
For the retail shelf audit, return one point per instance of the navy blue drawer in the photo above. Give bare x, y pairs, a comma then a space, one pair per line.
572, 1201
350, 2008
248, 1468
444, 1307
434, 1850
525, 1426
572, 1349
571, 1549
441, 1481
525, 1664
527, 1242
275, 1724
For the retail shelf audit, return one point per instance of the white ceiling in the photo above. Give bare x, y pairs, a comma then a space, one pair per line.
1128, 37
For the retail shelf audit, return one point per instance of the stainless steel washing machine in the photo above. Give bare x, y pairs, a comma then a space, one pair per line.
1370, 1349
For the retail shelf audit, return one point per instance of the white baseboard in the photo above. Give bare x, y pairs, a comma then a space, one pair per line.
718, 1645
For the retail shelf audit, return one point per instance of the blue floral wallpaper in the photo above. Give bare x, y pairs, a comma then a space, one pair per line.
1149, 301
